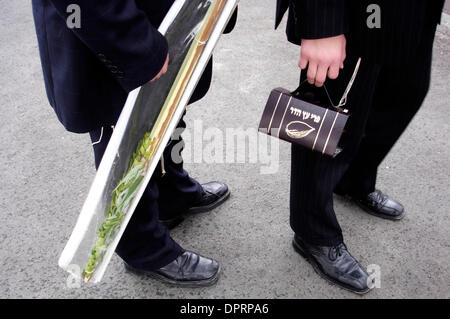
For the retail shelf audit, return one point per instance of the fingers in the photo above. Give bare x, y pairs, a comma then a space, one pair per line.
157, 76
343, 54
166, 65
312, 71
333, 71
303, 62
322, 57
321, 75
163, 70
317, 72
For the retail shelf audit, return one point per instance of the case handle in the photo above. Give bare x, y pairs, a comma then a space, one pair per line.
343, 100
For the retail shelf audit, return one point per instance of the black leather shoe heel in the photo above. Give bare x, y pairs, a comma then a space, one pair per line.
334, 264
300, 251
189, 270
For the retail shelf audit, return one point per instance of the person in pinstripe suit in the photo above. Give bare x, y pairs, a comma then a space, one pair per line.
390, 87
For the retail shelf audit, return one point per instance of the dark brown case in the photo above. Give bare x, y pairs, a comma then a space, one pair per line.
315, 127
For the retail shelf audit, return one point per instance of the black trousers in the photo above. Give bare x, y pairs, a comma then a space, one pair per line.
146, 243
382, 102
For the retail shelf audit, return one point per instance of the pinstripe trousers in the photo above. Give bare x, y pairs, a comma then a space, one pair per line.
383, 101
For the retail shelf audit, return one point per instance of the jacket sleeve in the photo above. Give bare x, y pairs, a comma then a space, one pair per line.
232, 23
317, 19
122, 38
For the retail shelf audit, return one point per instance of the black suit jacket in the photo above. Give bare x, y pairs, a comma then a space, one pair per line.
89, 71
402, 22
313, 19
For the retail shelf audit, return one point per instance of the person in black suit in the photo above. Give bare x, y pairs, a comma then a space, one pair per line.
390, 87
88, 73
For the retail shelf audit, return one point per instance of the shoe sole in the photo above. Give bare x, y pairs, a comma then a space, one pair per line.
371, 212
323, 275
175, 283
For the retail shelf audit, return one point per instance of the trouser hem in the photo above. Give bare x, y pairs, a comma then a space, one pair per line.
328, 242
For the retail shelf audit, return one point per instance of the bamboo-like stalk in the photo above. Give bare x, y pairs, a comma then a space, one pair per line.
185, 73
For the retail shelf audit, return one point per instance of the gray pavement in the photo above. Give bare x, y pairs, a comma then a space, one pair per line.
46, 173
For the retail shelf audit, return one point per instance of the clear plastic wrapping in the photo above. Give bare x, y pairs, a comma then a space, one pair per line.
149, 117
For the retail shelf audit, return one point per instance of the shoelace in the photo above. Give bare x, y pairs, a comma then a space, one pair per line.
379, 198
338, 250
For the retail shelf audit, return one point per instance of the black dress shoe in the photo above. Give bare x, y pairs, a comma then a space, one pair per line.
188, 270
214, 194
379, 204
335, 264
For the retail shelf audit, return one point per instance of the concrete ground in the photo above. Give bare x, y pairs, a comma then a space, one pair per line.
47, 172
